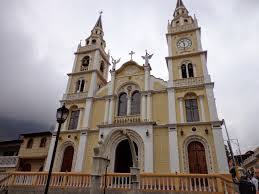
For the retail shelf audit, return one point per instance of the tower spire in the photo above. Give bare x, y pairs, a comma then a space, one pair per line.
99, 21
179, 4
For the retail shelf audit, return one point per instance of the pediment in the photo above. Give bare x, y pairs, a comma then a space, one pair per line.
130, 68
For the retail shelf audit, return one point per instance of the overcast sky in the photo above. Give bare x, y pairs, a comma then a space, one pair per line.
38, 39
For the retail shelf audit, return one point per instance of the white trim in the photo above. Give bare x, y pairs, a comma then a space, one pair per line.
201, 99
81, 153
51, 148
181, 110
106, 113
173, 151
113, 136
149, 107
111, 108
211, 103
93, 85
220, 150
205, 69
87, 113
171, 106
143, 107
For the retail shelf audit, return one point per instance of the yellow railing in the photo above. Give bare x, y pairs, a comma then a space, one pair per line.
40, 179
209, 183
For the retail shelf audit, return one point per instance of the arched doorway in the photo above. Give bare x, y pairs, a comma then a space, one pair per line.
123, 157
67, 159
197, 158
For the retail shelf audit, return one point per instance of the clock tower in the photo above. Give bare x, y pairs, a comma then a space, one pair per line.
193, 118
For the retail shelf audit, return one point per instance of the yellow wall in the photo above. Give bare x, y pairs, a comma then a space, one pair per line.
92, 141
98, 113
161, 150
36, 150
160, 108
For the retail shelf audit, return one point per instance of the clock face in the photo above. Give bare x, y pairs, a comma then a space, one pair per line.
184, 43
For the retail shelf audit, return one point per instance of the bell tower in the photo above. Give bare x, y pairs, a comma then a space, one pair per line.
192, 108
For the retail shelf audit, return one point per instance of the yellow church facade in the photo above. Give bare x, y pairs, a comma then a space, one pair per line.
173, 123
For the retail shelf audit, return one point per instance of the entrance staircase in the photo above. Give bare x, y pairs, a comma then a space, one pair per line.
34, 182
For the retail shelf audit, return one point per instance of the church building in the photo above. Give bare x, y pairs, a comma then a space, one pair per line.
173, 123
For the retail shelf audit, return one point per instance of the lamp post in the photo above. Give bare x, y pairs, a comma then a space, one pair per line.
61, 116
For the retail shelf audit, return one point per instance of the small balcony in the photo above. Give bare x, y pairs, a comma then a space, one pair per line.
127, 119
8, 161
189, 82
75, 96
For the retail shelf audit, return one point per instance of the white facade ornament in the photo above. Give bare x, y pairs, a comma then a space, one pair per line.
114, 62
147, 57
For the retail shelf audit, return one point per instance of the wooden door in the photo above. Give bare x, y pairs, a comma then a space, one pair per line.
197, 158
67, 159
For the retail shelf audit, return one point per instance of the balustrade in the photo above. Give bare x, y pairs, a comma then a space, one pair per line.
127, 119
148, 182
8, 161
194, 81
75, 96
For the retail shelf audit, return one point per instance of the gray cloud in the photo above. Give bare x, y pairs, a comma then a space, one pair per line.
38, 39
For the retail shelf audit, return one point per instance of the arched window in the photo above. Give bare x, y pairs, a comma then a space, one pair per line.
73, 120
43, 142
135, 103
80, 85
122, 106
192, 111
85, 63
190, 70
184, 71
30, 143
102, 67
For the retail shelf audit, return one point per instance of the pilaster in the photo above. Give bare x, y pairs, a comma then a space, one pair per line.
128, 105
220, 149
81, 152
149, 107
201, 99
51, 147
171, 106
88, 113
181, 110
111, 111
173, 150
211, 103
106, 111
143, 107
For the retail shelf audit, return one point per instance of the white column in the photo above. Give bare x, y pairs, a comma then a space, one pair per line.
79, 126
111, 87
106, 113
143, 107
181, 109
149, 107
128, 105
205, 69
51, 147
220, 150
87, 113
173, 150
201, 98
147, 78
211, 103
93, 85
81, 152
148, 148
111, 111
171, 106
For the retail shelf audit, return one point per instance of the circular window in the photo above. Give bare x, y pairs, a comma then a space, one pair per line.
194, 129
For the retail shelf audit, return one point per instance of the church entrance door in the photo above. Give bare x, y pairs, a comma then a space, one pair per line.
67, 159
197, 158
123, 157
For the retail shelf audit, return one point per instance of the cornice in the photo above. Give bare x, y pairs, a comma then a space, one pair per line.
187, 55
183, 31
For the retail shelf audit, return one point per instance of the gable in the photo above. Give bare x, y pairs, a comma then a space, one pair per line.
130, 68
